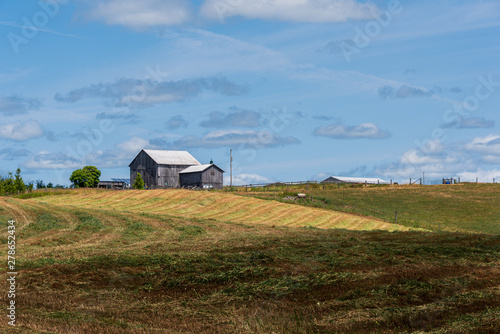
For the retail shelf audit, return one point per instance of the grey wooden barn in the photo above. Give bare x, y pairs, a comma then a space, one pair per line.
202, 176
161, 169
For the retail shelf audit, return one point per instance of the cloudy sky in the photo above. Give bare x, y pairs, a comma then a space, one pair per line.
299, 89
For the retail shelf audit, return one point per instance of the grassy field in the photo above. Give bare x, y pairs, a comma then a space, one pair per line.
194, 262
461, 207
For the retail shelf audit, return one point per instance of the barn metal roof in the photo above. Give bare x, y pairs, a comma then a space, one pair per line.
195, 169
349, 179
172, 157
127, 181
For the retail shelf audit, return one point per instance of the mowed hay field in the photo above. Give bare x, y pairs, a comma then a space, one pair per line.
148, 262
220, 206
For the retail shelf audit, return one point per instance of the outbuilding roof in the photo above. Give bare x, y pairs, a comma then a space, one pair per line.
199, 168
172, 157
356, 180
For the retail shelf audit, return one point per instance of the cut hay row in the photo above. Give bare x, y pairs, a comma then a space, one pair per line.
221, 207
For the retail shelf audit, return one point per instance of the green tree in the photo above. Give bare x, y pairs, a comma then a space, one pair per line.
8, 184
139, 182
79, 179
93, 175
88, 176
18, 181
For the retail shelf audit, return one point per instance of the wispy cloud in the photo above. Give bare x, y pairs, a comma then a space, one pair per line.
141, 14
49, 31
403, 92
135, 93
290, 10
176, 122
362, 131
13, 153
236, 117
468, 123
229, 138
16, 105
118, 116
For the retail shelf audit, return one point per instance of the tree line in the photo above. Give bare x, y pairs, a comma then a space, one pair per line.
14, 183
86, 177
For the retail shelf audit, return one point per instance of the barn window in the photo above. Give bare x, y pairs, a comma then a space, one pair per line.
213, 173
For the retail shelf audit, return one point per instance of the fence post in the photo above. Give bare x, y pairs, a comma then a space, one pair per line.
396, 216
477, 180
410, 181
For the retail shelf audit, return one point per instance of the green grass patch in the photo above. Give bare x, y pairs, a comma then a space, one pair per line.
462, 207
87, 222
46, 222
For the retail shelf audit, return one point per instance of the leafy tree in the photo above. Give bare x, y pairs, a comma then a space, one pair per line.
79, 179
88, 176
18, 181
139, 182
50, 185
93, 175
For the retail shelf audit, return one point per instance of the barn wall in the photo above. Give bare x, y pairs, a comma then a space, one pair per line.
190, 179
213, 176
146, 166
169, 174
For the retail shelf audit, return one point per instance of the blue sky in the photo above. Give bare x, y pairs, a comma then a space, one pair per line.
299, 89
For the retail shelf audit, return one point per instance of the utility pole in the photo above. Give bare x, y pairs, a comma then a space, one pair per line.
231, 166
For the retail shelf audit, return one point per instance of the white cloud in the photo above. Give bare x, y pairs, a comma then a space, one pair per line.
21, 131
141, 14
243, 179
47, 160
133, 145
290, 10
339, 131
489, 145
482, 175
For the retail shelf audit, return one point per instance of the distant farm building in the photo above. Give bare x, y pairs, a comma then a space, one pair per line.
120, 185
366, 180
162, 169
